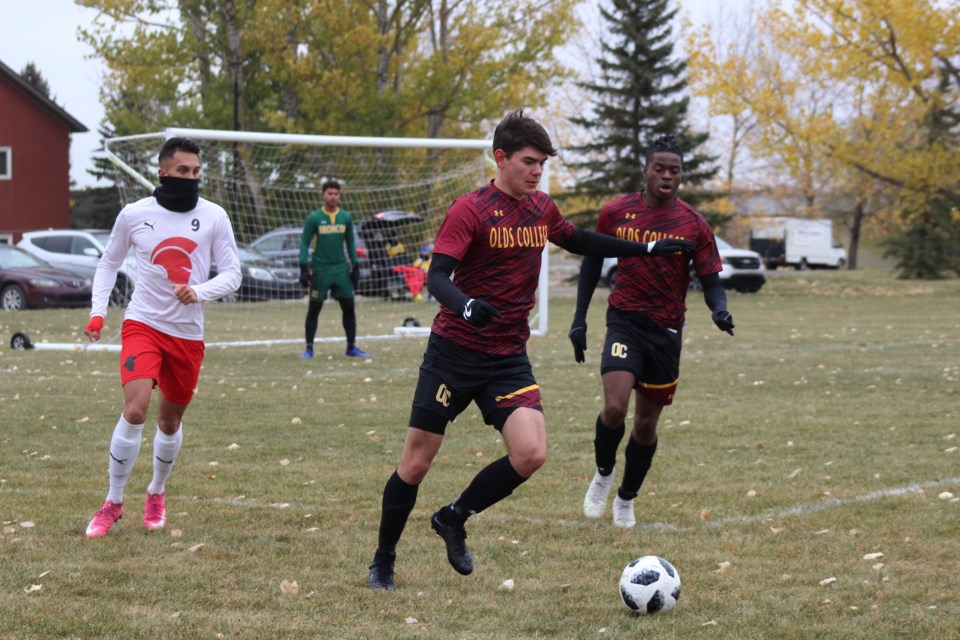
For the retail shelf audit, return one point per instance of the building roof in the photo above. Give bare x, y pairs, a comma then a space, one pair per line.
42, 101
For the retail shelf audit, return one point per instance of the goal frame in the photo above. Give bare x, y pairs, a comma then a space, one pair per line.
540, 321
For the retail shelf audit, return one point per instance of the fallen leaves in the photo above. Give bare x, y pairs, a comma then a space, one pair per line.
289, 587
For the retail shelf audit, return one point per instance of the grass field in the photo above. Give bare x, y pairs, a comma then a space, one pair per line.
823, 434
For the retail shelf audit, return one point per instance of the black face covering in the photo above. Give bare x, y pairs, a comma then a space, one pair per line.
177, 194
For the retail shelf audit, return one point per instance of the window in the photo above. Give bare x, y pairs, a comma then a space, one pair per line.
6, 163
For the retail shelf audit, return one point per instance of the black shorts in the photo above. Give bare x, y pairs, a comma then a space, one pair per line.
452, 376
637, 344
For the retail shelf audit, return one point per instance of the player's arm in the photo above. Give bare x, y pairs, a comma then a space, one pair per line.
716, 298
476, 311
105, 277
587, 281
309, 229
591, 243
224, 252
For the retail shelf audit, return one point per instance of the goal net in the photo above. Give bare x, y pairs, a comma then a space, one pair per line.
397, 190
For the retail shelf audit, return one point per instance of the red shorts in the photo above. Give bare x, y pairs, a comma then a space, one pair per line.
172, 363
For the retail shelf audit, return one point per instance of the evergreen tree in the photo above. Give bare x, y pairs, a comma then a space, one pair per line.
33, 76
640, 94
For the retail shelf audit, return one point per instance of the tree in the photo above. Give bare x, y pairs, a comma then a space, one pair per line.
32, 75
639, 94
843, 90
422, 68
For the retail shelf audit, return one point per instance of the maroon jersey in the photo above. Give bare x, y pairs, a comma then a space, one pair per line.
657, 287
498, 241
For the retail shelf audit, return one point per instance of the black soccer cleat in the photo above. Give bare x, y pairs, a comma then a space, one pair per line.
381, 571
456, 538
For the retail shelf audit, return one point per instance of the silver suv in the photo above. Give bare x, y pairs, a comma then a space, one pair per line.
79, 251
743, 270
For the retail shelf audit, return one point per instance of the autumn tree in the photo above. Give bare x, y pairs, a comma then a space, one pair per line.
640, 93
844, 89
424, 68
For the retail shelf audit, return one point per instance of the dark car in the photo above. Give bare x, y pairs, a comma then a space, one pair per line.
27, 282
282, 246
264, 279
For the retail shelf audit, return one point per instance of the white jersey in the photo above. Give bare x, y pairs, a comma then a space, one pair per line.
170, 248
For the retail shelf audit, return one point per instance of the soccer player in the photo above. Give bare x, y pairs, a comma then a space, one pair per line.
327, 229
645, 319
176, 236
491, 240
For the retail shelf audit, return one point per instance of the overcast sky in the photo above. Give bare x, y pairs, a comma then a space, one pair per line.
45, 32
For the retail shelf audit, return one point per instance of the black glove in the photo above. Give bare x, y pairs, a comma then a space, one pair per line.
723, 320
304, 275
578, 336
355, 277
478, 312
669, 245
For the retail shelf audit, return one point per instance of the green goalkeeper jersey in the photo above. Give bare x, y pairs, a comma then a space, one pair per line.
327, 232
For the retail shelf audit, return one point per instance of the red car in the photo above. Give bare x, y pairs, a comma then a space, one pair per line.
26, 282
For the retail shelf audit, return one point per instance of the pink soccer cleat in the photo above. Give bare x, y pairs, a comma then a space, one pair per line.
155, 511
109, 513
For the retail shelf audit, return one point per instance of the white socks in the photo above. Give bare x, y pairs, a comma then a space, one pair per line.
165, 450
124, 449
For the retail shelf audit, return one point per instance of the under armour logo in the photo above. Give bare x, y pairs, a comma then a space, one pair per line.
498, 213
630, 216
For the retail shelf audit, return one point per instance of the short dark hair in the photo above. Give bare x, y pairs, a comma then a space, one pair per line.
664, 144
517, 131
172, 145
330, 184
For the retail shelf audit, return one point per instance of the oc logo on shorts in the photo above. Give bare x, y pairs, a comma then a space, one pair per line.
618, 350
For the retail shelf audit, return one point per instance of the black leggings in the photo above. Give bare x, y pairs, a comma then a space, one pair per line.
349, 319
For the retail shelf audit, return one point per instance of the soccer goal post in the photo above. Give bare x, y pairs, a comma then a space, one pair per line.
397, 190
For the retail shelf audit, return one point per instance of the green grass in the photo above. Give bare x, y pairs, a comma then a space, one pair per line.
822, 432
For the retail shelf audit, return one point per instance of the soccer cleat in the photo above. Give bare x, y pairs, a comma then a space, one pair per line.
109, 513
623, 513
595, 502
155, 511
381, 571
456, 539
354, 352
307, 353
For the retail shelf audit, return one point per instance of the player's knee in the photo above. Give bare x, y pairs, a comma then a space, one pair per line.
134, 414
614, 415
413, 471
527, 461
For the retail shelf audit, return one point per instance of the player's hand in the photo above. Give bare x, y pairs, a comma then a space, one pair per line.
723, 320
478, 312
669, 245
185, 293
578, 336
93, 328
304, 275
355, 277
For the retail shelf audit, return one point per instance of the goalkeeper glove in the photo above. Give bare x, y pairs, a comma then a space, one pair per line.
668, 246
478, 312
355, 277
578, 336
723, 320
304, 275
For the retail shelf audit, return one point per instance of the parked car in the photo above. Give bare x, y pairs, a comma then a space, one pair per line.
377, 277
743, 270
79, 251
264, 279
27, 282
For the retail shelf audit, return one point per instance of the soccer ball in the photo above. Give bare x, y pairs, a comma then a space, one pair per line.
649, 584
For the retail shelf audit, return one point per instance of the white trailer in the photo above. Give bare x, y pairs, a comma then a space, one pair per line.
801, 243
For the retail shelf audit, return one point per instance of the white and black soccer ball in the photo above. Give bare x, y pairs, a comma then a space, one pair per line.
649, 584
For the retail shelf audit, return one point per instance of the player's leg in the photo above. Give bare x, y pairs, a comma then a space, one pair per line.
656, 388
608, 433
314, 306
348, 307
510, 402
124, 450
178, 378
139, 366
